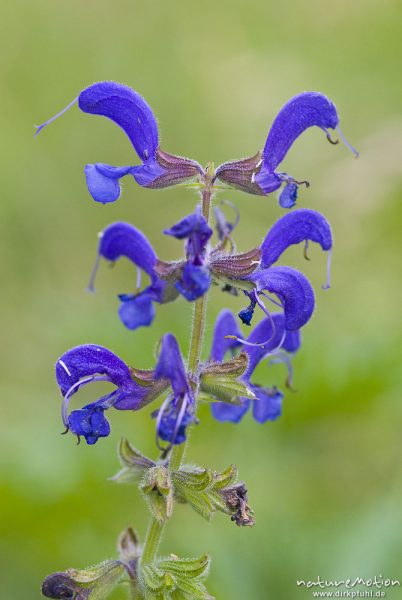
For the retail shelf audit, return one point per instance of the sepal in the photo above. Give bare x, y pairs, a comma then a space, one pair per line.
128, 546
94, 583
210, 491
130, 550
234, 266
240, 174
176, 578
221, 382
134, 463
158, 490
147, 379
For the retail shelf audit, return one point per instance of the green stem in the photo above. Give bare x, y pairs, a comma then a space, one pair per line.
152, 541
155, 529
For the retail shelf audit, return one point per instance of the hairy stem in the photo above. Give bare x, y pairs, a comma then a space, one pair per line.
155, 529
152, 541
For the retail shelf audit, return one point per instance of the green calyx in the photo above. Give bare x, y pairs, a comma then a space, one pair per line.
176, 578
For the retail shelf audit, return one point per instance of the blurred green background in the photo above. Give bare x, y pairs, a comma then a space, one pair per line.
324, 480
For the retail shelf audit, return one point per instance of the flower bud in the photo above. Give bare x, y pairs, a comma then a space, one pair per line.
94, 583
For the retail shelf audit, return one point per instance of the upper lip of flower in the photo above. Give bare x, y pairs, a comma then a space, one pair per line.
256, 175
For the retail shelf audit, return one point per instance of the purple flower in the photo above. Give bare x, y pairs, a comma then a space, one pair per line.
195, 278
86, 364
129, 110
134, 390
269, 338
291, 287
124, 240
177, 411
258, 174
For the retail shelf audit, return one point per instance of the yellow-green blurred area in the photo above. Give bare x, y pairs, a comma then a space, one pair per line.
325, 479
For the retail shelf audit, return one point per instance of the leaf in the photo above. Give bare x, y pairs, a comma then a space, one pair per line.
225, 389
191, 567
210, 491
176, 579
196, 479
133, 458
227, 477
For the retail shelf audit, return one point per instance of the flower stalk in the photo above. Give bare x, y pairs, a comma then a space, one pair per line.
156, 528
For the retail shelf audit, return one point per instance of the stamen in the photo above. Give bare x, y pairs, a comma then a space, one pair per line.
66, 431
304, 182
276, 302
255, 345
329, 138
305, 250
179, 419
78, 440
282, 357
73, 389
345, 141
139, 279
328, 282
63, 364
236, 210
91, 284
266, 312
40, 127
158, 422
289, 179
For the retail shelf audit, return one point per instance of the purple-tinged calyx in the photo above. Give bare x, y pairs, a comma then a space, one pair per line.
132, 113
258, 174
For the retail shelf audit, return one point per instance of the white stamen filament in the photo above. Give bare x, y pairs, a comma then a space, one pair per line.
179, 418
282, 357
345, 141
73, 389
91, 284
327, 284
139, 279
159, 418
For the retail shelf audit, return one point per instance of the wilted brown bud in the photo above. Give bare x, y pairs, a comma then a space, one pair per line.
236, 500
